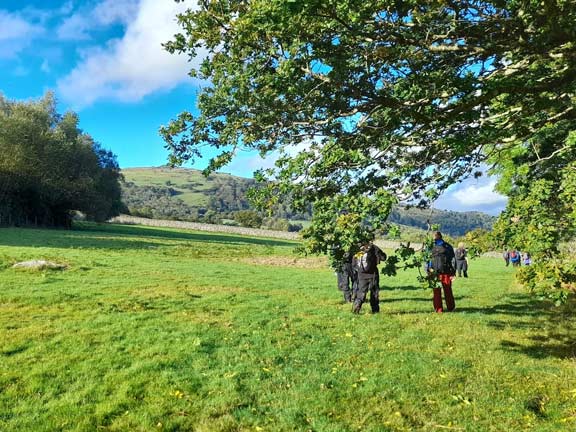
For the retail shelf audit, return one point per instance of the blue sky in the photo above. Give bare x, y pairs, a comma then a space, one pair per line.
104, 60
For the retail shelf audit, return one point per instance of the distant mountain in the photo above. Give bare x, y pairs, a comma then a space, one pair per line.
185, 194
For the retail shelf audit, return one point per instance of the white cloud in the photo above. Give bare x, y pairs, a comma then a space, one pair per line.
134, 66
79, 25
473, 195
16, 33
74, 28
246, 163
111, 11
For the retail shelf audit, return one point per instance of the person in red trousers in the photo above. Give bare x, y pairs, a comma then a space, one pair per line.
441, 266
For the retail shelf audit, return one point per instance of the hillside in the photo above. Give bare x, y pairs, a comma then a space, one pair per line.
185, 194
451, 222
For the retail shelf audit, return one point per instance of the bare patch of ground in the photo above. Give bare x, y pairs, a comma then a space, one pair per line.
39, 265
283, 261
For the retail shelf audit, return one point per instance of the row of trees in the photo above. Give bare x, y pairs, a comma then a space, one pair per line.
374, 103
49, 168
452, 223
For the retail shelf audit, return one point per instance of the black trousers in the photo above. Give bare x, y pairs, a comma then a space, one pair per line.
365, 285
345, 284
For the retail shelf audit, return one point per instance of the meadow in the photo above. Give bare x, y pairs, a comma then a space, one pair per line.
151, 329
191, 185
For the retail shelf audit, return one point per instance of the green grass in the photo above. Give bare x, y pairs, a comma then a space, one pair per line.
156, 329
181, 180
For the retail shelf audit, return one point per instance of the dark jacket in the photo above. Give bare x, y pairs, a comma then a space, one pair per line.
365, 264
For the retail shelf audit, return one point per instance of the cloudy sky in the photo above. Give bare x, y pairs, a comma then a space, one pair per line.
104, 60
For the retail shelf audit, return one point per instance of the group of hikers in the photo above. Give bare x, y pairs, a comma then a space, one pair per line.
358, 274
516, 258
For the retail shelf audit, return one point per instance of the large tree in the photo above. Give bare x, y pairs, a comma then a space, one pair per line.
50, 168
369, 103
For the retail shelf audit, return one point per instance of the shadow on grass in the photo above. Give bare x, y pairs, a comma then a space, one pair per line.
119, 237
553, 333
555, 345
384, 287
552, 330
169, 233
518, 305
384, 299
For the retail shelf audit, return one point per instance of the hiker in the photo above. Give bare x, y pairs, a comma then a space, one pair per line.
514, 258
527, 259
461, 256
365, 264
441, 266
346, 279
506, 256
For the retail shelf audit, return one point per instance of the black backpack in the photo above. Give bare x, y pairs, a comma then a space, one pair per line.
441, 262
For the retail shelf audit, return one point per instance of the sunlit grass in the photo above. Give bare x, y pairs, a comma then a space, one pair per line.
152, 329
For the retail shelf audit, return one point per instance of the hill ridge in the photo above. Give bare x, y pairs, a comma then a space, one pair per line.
186, 194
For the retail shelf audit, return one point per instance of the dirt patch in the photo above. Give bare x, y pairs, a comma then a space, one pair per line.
39, 265
282, 261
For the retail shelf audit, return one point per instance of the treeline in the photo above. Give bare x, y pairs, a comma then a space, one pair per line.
156, 202
50, 169
453, 223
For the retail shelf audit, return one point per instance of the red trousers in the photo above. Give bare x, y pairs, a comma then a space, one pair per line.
446, 281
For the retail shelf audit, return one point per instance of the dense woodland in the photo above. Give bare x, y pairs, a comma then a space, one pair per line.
451, 222
50, 169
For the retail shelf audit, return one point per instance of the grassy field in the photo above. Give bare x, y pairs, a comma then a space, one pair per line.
192, 187
155, 329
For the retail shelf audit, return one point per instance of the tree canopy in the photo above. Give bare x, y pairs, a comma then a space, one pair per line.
373, 103
50, 168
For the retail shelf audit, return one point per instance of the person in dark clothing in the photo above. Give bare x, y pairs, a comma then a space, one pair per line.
365, 264
506, 256
441, 267
346, 278
461, 255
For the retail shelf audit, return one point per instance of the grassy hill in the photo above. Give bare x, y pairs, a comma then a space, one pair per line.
185, 194
190, 185
159, 329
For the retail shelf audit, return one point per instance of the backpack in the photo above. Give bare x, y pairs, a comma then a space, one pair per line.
367, 262
460, 253
440, 261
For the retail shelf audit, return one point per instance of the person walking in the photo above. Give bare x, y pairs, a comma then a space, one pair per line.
515, 258
506, 256
365, 264
461, 255
441, 267
345, 277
